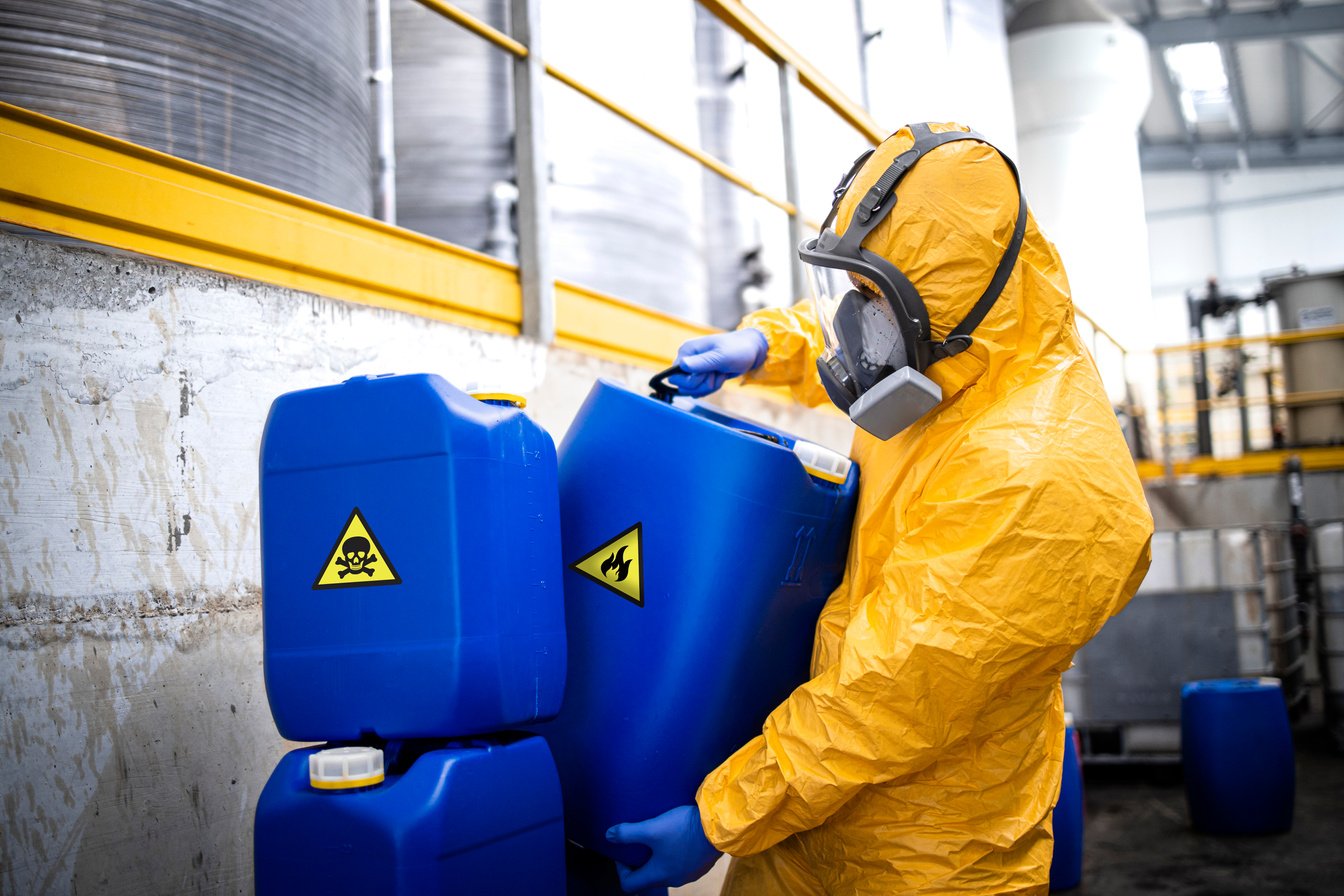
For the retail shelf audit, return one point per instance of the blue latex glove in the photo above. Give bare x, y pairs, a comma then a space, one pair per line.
710, 361
681, 852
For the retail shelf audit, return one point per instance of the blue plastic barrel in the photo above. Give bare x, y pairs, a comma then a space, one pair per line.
411, 568
449, 818
700, 548
1237, 756
1066, 865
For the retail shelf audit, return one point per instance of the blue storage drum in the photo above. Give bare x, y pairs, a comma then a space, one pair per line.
410, 563
700, 550
1237, 755
1066, 864
465, 818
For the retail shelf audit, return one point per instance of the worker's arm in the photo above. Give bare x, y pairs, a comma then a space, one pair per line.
995, 577
795, 342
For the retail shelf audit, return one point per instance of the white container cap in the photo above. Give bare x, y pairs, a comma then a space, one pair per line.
821, 462
342, 768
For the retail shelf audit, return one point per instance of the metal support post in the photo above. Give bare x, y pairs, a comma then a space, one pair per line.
788, 92
1164, 422
529, 150
385, 177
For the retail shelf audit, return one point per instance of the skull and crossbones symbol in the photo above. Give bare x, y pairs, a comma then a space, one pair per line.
357, 557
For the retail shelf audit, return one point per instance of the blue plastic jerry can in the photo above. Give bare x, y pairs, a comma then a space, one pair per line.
411, 567
700, 548
444, 819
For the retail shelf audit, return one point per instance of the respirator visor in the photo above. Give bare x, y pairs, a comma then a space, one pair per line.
862, 334
870, 365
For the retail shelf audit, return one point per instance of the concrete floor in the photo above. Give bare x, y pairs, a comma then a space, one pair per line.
1138, 837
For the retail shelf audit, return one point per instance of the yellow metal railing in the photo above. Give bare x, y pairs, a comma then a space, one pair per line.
1256, 464
69, 180
753, 30
1286, 338
1249, 425
508, 44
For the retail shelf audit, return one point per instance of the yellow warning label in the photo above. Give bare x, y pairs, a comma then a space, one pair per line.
356, 558
617, 565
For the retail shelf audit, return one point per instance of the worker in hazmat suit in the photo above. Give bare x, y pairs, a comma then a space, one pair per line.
1000, 524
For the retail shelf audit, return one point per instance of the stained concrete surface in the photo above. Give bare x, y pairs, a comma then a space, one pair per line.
1138, 839
134, 731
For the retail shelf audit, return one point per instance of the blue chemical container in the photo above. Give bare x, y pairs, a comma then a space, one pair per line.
700, 550
1237, 756
410, 563
1066, 865
447, 818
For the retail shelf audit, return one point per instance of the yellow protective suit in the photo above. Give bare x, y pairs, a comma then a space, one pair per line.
992, 539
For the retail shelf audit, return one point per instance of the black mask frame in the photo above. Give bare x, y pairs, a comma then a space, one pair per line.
829, 250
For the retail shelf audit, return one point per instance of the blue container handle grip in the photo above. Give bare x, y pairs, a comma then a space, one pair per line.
663, 390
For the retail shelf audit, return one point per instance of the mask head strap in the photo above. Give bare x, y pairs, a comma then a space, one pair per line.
878, 202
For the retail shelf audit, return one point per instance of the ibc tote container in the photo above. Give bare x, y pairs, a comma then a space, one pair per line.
410, 563
700, 549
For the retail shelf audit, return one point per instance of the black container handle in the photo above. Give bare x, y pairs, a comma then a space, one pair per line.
663, 390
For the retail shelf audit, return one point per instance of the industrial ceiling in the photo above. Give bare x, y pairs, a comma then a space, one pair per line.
1283, 101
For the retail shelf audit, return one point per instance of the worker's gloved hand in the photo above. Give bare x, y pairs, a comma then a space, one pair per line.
681, 852
710, 361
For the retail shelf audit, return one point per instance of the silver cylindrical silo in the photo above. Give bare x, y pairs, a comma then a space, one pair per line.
271, 90
453, 121
1309, 302
627, 212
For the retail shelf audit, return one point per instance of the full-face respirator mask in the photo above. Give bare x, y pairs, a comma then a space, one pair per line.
873, 320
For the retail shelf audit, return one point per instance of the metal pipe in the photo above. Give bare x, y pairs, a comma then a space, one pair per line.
1304, 589
385, 174
1203, 428
788, 93
529, 150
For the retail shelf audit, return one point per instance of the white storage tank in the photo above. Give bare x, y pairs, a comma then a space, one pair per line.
1308, 302
1081, 85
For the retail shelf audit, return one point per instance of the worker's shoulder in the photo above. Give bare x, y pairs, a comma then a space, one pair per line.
1050, 430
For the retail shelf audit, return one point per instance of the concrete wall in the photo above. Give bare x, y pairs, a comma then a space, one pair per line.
134, 731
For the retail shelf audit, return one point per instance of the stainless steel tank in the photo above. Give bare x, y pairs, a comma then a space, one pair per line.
272, 90
453, 121
628, 213
1309, 302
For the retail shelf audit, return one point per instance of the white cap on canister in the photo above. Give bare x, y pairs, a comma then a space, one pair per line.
822, 462
342, 768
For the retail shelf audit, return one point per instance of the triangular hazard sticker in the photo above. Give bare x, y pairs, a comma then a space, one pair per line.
356, 559
618, 565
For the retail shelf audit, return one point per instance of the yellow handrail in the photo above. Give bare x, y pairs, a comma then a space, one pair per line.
700, 156
1096, 327
66, 179
69, 180
753, 30
476, 26
508, 44
1291, 399
1253, 464
1287, 337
